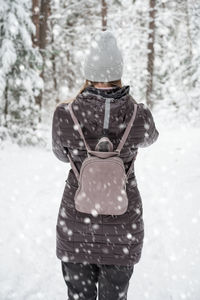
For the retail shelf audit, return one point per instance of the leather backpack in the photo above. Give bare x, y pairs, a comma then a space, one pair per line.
102, 179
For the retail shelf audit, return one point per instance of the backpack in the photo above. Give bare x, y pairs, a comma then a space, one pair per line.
102, 179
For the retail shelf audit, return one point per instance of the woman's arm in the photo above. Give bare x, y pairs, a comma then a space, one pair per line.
57, 147
145, 130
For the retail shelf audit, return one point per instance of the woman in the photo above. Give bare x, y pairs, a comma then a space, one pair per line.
102, 248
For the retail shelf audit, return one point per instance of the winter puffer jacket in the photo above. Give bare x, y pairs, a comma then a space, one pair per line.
102, 239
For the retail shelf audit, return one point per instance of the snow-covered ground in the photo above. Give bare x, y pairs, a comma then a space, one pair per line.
168, 173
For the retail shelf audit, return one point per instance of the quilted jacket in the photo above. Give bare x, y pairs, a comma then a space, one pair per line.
102, 239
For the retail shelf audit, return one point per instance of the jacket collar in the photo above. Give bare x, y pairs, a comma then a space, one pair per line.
115, 93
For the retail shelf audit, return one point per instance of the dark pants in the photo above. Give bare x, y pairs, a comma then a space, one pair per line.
81, 279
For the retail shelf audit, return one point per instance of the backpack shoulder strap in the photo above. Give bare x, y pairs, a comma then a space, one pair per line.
78, 126
76, 172
128, 128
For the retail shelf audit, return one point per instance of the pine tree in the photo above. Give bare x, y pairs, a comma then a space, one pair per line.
19, 73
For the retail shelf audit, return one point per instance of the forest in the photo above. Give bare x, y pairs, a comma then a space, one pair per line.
43, 44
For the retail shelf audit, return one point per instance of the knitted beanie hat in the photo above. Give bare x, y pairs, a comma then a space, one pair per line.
104, 62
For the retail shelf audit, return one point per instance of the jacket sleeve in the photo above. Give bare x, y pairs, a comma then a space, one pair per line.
147, 132
57, 147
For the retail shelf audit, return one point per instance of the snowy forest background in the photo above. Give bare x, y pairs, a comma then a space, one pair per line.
43, 44
42, 48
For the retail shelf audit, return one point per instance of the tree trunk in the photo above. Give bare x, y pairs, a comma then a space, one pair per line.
35, 19
43, 26
150, 58
44, 14
53, 59
104, 14
6, 104
188, 29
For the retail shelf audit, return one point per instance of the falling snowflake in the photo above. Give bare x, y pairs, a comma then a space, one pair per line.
87, 220
65, 258
125, 250
129, 236
75, 126
134, 226
94, 212
75, 151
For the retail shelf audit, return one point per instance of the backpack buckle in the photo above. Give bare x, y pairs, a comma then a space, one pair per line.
88, 154
118, 151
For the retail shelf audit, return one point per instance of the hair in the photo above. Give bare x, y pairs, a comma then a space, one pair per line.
92, 83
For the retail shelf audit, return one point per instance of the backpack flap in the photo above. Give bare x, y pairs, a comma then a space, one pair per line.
102, 187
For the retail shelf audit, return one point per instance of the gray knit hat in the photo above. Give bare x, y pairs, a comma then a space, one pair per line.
104, 62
